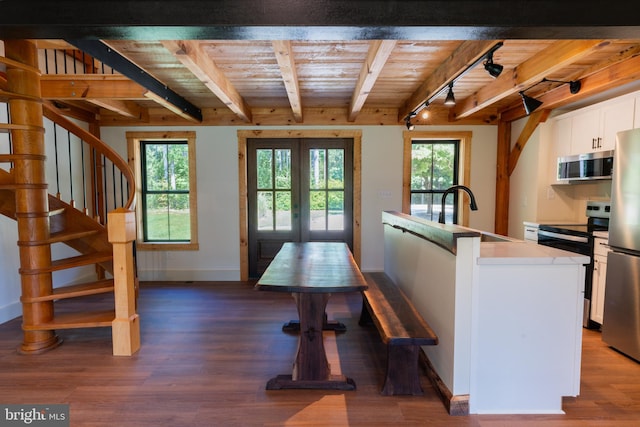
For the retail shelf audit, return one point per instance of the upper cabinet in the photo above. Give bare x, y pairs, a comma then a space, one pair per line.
595, 128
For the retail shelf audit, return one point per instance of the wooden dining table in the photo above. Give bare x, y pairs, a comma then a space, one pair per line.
311, 272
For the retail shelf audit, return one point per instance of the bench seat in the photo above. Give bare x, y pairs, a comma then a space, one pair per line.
401, 328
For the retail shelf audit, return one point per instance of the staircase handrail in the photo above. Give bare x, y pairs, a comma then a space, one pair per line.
50, 112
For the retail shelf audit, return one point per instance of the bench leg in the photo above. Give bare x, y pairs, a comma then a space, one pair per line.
365, 315
402, 371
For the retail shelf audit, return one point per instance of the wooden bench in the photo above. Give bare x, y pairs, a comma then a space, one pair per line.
401, 328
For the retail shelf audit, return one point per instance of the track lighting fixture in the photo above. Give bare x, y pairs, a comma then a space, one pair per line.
531, 104
450, 99
492, 68
410, 126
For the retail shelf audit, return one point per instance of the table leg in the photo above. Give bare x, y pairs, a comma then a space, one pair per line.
311, 368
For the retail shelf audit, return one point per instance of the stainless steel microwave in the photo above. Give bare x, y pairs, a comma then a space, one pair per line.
584, 167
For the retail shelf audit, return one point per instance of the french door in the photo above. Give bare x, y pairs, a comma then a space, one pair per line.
299, 190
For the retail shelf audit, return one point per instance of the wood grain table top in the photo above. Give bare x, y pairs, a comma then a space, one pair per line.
313, 267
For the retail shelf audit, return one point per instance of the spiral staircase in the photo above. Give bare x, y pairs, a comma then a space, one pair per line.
44, 219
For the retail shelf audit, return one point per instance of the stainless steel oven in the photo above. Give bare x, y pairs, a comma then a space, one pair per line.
578, 238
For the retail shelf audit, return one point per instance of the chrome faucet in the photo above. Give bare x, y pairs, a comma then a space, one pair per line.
472, 205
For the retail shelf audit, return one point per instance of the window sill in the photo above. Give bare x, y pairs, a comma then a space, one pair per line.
167, 246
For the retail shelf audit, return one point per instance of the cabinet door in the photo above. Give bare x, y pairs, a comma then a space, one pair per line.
615, 118
560, 146
585, 130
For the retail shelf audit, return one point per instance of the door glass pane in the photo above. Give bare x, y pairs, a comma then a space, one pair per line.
336, 169
317, 168
283, 210
283, 169
265, 210
336, 210
318, 210
264, 168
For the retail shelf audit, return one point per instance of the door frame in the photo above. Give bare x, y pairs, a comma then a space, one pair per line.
244, 135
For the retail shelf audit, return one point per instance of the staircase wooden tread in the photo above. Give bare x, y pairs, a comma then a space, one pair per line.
65, 236
96, 319
73, 291
76, 261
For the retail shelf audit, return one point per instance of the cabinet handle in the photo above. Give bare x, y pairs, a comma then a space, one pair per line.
599, 142
593, 143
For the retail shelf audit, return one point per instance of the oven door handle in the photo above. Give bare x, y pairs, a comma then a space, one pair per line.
561, 236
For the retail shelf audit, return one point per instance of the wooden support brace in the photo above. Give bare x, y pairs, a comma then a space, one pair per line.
126, 326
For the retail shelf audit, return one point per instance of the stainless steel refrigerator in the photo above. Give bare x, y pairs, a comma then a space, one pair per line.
621, 322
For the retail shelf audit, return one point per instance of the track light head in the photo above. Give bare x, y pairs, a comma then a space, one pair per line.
410, 126
575, 86
530, 104
450, 100
492, 68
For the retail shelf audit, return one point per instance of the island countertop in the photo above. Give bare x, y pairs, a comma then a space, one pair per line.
494, 248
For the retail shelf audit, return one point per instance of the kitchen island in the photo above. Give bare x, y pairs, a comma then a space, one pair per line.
508, 314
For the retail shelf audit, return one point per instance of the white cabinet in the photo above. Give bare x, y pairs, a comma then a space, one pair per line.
600, 251
560, 147
595, 129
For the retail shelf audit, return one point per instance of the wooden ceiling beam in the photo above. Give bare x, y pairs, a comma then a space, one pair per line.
287, 64
466, 54
379, 51
533, 70
125, 108
618, 74
192, 56
94, 86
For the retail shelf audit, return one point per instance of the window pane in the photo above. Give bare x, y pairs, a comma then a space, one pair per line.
179, 221
264, 168
318, 210
157, 167
317, 169
422, 206
167, 217
421, 166
336, 169
265, 210
178, 167
283, 169
283, 210
157, 217
336, 210
443, 166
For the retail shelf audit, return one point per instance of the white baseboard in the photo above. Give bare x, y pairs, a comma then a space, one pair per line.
189, 275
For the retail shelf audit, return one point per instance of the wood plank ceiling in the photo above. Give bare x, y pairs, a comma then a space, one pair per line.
281, 82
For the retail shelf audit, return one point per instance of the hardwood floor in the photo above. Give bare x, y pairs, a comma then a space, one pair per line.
208, 350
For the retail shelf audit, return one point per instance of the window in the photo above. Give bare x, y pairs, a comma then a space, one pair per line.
433, 163
164, 165
434, 168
